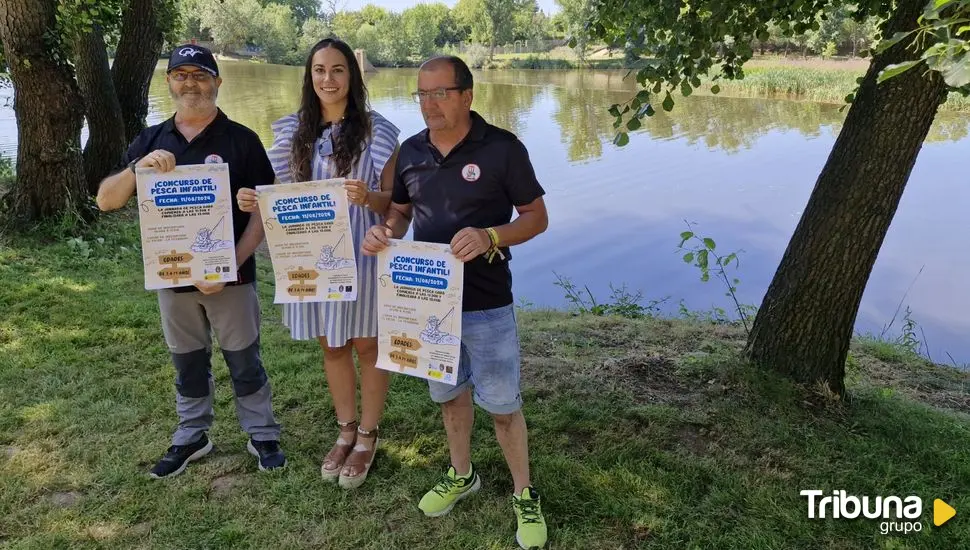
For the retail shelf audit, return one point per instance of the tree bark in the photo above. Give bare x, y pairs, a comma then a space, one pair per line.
106, 127
138, 50
50, 180
804, 326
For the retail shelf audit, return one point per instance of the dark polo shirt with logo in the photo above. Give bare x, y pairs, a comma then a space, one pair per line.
477, 185
223, 140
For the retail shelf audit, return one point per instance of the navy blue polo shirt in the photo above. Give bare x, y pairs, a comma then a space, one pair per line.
476, 185
223, 140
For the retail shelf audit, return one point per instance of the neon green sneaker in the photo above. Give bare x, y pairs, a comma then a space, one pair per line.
531, 532
443, 496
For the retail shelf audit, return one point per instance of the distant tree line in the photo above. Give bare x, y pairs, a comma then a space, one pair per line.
282, 31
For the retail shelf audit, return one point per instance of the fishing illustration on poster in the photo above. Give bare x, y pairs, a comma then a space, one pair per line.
308, 234
419, 306
185, 219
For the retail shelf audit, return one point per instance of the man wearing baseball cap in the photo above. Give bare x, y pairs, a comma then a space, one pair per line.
199, 132
193, 56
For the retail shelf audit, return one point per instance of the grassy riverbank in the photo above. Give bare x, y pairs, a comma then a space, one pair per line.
649, 433
807, 79
823, 84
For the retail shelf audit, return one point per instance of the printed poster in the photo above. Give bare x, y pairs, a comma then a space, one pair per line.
419, 291
308, 233
185, 217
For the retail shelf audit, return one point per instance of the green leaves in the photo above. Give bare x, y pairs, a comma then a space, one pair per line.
668, 103
952, 60
953, 67
890, 42
934, 9
941, 22
956, 70
896, 69
75, 18
684, 237
702, 262
693, 44
700, 256
621, 139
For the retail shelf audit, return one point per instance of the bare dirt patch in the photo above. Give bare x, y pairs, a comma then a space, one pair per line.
224, 486
65, 499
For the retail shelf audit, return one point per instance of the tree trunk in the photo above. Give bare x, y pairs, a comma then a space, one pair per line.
138, 50
106, 128
804, 326
50, 180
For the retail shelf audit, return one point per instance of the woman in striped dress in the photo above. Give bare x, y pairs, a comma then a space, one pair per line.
335, 135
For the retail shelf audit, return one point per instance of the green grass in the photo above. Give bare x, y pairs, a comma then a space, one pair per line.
646, 433
819, 80
6, 174
561, 58
798, 82
825, 85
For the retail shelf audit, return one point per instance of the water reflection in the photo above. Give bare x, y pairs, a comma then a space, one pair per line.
742, 169
256, 94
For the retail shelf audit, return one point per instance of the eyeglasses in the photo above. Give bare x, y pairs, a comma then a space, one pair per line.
438, 94
198, 76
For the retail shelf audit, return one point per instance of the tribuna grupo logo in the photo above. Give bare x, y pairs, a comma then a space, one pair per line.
898, 515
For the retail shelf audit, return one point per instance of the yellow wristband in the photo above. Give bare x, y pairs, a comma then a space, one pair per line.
492, 236
494, 249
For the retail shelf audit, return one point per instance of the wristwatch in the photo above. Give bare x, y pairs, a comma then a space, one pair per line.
131, 165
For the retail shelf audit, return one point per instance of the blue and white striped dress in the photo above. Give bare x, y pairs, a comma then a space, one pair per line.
339, 321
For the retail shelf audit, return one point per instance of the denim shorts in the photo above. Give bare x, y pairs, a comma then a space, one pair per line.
489, 363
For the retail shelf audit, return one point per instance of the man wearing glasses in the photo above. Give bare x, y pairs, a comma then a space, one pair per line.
461, 178
199, 133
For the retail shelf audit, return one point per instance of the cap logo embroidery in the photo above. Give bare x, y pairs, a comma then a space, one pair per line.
471, 172
189, 52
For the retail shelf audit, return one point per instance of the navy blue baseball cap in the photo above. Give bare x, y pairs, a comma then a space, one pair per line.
194, 55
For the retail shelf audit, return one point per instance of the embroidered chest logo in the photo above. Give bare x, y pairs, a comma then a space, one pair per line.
471, 172
213, 159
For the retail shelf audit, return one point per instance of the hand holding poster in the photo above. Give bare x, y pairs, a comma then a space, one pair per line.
308, 233
185, 217
419, 292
